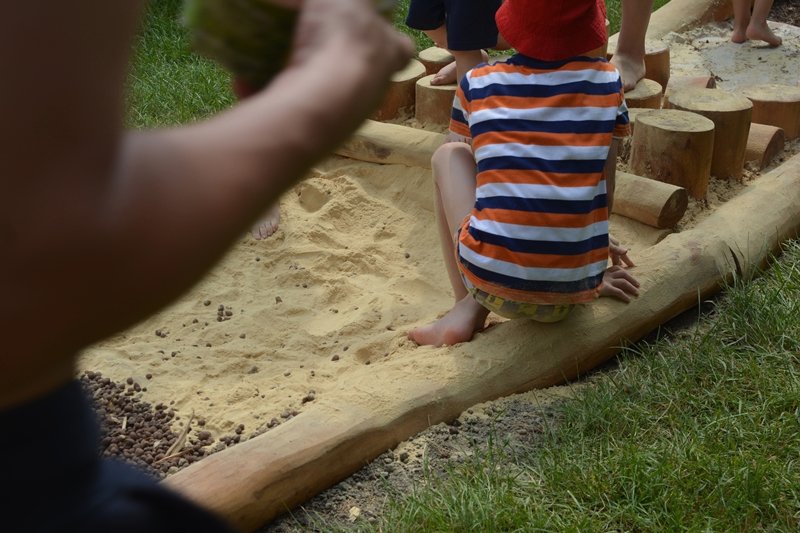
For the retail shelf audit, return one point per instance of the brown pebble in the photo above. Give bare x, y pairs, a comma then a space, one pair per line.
335, 358
207, 302
149, 376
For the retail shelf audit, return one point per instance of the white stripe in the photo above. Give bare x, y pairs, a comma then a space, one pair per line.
532, 273
547, 114
539, 233
544, 192
558, 77
551, 153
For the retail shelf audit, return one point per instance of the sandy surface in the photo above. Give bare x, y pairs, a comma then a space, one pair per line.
322, 305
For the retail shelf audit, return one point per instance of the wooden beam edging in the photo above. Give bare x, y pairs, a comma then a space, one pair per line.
259, 479
683, 15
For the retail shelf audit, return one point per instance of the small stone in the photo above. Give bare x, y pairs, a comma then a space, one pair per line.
207, 302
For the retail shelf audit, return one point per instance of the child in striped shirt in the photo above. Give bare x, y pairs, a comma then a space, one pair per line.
523, 203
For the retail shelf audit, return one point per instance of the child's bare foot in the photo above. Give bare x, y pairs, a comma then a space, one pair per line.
739, 35
446, 75
761, 32
631, 69
268, 224
459, 325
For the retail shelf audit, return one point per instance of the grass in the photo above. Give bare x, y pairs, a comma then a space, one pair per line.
699, 431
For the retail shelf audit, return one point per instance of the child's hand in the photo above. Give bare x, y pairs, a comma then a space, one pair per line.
619, 283
618, 254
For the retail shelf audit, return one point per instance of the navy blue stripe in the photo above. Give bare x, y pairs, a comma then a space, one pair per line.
458, 115
530, 90
541, 205
564, 166
541, 247
544, 126
528, 61
560, 287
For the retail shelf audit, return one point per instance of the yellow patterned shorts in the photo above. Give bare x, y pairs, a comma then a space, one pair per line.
512, 309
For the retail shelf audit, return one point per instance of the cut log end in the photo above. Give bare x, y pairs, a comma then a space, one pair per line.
763, 144
776, 105
433, 103
401, 92
434, 58
657, 62
647, 94
731, 115
675, 147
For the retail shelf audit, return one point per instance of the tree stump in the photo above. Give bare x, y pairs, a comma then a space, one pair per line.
434, 103
776, 105
763, 144
651, 202
402, 91
675, 147
434, 58
730, 114
679, 83
647, 93
656, 62
635, 112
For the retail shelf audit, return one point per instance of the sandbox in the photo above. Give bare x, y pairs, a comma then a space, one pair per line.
301, 338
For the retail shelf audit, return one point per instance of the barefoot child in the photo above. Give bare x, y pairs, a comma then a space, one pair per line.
747, 26
463, 27
522, 212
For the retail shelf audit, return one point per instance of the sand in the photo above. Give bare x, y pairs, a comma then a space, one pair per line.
325, 304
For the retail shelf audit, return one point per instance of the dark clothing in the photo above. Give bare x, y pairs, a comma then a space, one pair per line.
470, 23
53, 479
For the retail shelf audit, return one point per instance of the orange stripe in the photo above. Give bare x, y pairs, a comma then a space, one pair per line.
459, 128
548, 220
560, 100
538, 177
543, 138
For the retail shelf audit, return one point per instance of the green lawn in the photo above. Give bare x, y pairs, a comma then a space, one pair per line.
696, 431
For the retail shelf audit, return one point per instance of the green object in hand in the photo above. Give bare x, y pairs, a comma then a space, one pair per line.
251, 39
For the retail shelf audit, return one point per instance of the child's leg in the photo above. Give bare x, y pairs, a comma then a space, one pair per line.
758, 29
454, 175
741, 19
629, 56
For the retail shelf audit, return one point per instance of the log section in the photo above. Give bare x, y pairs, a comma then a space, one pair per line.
401, 92
776, 105
380, 142
434, 58
730, 114
651, 202
675, 147
679, 83
647, 93
763, 144
656, 62
433, 103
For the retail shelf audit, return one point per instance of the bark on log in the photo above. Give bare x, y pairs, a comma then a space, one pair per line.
656, 62
776, 105
434, 58
763, 144
401, 92
434, 103
651, 202
255, 481
675, 147
380, 142
730, 114
647, 94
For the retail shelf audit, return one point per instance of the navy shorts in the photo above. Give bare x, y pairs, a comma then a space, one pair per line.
54, 480
470, 23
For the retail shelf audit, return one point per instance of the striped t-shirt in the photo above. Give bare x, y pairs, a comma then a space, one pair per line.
541, 133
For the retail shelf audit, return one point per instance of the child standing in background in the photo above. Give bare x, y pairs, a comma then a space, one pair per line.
529, 194
753, 26
463, 27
